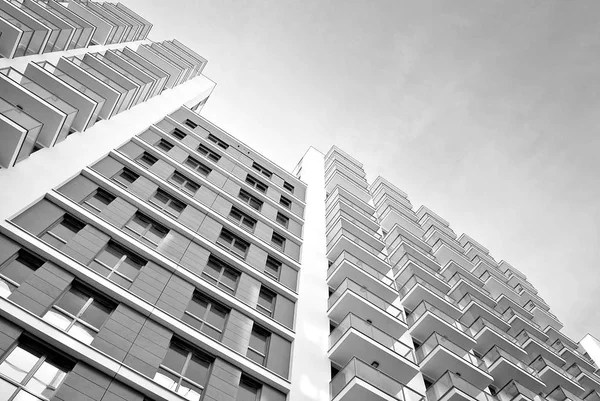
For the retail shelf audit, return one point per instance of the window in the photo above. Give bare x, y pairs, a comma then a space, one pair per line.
282, 219
117, 264
278, 241
98, 200
16, 270
30, 369
288, 187
253, 182
206, 315
221, 275
184, 371
259, 342
183, 183
248, 390
62, 231
190, 123
242, 219
217, 141
251, 200
273, 267
167, 203
197, 166
262, 170
178, 134
80, 312
125, 177
163, 145
146, 230
233, 243
146, 159
285, 202
209, 154
266, 301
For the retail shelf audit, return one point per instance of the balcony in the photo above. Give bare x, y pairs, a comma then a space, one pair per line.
451, 387
444, 254
429, 223
341, 220
434, 235
426, 319
472, 309
473, 253
110, 66
147, 79
554, 335
336, 154
349, 266
19, 134
21, 35
462, 286
105, 30
63, 31
161, 76
174, 58
340, 179
585, 378
488, 335
354, 337
340, 194
146, 25
351, 297
415, 290
357, 177
503, 303
391, 216
437, 355
497, 287
196, 60
543, 318
561, 394
519, 323
515, 391
572, 356
592, 396
528, 296
534, 347
402, 252
508, 269
346, 241
452, 268
554, 376
175, 71
83, 29
367, 223
399, 234
424, 211
504, 367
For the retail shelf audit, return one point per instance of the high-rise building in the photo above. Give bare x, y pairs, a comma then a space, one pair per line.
146, 254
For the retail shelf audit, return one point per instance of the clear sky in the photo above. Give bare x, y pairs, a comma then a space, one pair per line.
485, 111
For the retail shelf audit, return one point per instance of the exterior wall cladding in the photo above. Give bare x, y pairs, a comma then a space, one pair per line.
173, 267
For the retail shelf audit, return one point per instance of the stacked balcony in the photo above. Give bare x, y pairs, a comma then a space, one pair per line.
452, 387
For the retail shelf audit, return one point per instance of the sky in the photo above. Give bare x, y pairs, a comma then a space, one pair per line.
484, 111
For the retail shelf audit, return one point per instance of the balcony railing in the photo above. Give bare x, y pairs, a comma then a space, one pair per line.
560, 394
414, 280
469, 278
410, 258
467, 299
575, 370
510, 312
435, 340
524, 336
358, 241
368, 230
513, 390
558, 346
349, 285
496, 353
450, 380
359, 369
354, 322
343, 195
347, 256
424, 307
481, 323
540, 363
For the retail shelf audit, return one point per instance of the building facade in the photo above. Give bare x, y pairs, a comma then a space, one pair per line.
146, 254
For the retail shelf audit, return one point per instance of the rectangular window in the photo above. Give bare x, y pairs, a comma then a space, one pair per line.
98, 200
190, 124
221, 275
206, 315
62, 231
184, 370
146, 160
266, 301
254, 183
197, 166
209, 154
278, 241
242, 219
273, 267
282, 219
167, 203
145, 229
125, 177
262, 170
178, 134
251, 200
285, 202
80, 312
16, 270
163, 145
288, 187
183, 183
117, 264
233, 243
248, 390
259, 344
31, 370
217, 141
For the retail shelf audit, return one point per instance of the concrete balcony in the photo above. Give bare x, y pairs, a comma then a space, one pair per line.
528, 296
402, 251
518, 323
135, 25
515, 281
561, 394
451, 387
588, 380
83, 29
433, 235
105, 30
380, 187
498, 287
150, 69
358, 381
346, 241
340, 194
488, 335
508, 269
143, 82
535, 347
484, 270
415, 290
336, 154
438, 355
187, 66
147, 26
198, 58
112, 70
357, 177
503, 303
409, 266
515, 391
56, 115
121, 28
65, 29
445, 253
554, 335
383, 200
572, 356
472, 309
354, 215
391, 216
349, 266
164, 63
426, 319
341, 219
196, 62
22, 33
542, 317
461, 287
338, 178
351, 297
468, 242
399, 234
428, 222
354, 337
473, 253
553, 376
592, 396
505, 367
452, 268
19, 134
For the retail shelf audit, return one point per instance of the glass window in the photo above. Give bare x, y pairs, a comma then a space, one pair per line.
242, 219
262, 170
209, 154
163, 145
146, 159
125, 177
217, 141
206, 315
282, 219
183, 183
253, 182
266, 301
98, 200
197, 166
190, 123
259, 342
167, 203
178, 134
285, 202
16, 270
252, 201
184, 371
278, 241
145, 229
248, 390
288, 187
221, 275
117, 264
62, 231
273, 267
233, 243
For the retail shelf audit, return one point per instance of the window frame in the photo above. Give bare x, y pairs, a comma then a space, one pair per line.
285, 202
280, 216
207, 153
178, 134
272, 261
289, 187
165, 206
261, 331
247, 198
243, 217
92, 208
246, 382
114, 269
126, 171
190, 123
164, 145
262, 170
278, 237
231, 245
182, 186
256, 183
223, 267
217, 141
150, 223
212, 304
21, 253
144, 164
199, 167
58, 222
261, 308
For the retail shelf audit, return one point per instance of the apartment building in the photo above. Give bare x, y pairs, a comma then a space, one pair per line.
146, 254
